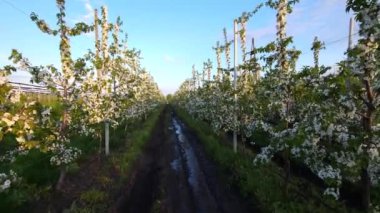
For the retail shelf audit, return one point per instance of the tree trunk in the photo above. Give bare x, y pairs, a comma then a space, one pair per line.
286, 168
365, 189
61, 179
243, 140
367, 125
126, 127
100, 145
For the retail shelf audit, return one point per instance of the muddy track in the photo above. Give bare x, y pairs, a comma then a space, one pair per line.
175, 175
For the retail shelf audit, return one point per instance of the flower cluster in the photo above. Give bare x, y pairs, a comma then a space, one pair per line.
10, 156
63, 155
7, 180
332, 192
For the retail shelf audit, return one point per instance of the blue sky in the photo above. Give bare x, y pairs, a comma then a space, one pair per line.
172, 35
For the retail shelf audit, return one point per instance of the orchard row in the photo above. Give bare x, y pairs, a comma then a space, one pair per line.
105, 87
328, 120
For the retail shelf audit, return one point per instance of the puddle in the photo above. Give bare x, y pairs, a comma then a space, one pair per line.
186, 162
185, 151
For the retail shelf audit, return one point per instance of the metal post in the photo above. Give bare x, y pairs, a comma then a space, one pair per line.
235, 85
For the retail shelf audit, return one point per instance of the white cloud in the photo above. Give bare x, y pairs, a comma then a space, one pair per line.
89, 13
90, 35
317, 17
320, 17
169, 59
262, 32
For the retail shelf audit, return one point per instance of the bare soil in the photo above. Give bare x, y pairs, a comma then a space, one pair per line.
175, 175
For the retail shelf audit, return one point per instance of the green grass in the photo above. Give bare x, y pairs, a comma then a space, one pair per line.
137, 140
126, 146
262, 184
93, 196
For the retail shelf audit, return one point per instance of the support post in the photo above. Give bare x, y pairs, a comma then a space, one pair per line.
97, 45
107, 137
235, 85
350, 33
253, 57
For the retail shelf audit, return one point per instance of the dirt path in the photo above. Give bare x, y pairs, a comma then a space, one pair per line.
175, 175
